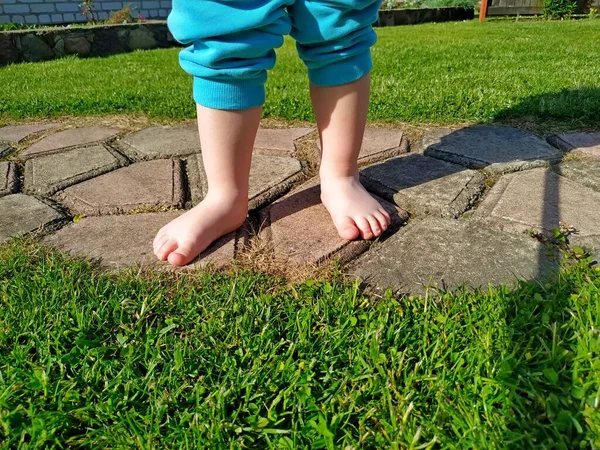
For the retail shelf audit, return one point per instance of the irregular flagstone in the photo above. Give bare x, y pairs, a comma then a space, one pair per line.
423, 185
379, 144
498, 149
587, 144
270, 177
49, 173
447, 253
21, 214
153, 184
278, 141
8, 178
542, 201
69, 138
122, 241
16, 133
300, 229
582, 171
161, 142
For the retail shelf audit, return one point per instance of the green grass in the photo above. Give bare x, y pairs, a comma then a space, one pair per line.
434, 73
245, 361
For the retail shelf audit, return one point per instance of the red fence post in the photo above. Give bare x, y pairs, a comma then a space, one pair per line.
483, 10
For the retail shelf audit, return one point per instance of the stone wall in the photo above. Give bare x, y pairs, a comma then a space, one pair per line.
61, 12
50, 43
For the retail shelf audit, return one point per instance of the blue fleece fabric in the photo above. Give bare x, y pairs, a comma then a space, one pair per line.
233, 42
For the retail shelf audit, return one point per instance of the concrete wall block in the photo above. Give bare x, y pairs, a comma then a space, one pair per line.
16, 9
166, 4
30, 1
31, 19
9, 2
42, 8
57, 18
153, 13
4, 19
68, 18
111, 6
67, 7
45, 19
151, 5
17, 19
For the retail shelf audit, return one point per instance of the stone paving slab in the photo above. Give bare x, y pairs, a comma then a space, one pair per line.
122, 241
47, 174
378, 144
156, 184
447, 253
425, 186
270, 177
582, 171
8, 178
161, 142
587, 144
278, 141
301, 231
69, 138
16, 133
21, 214
541, 200
498, 149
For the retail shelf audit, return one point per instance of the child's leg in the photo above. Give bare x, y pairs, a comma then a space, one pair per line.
233, 42
227, 138
341, 113
334, 40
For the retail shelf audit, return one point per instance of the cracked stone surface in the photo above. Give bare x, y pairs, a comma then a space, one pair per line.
586, 144
541, 200
447, 253
278, 141
300, 229
582, 171
47, 174
69, 138
378, 144
23, 214
270, 177
423, 185
498, 149
161, 142
153, 184
8, 178
126, 240
16, 133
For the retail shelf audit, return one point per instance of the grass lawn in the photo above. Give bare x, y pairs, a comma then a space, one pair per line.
433, 73
245, 361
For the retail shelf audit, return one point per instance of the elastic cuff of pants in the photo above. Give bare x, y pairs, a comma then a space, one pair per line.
229, 95
343, 71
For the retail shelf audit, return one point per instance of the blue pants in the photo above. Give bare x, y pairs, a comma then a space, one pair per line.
233, 42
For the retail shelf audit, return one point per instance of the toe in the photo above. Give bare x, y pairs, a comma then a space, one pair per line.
385, 214
376, 228
158, 243
346, 228
383, 221
182, 256
166, 249
364, 226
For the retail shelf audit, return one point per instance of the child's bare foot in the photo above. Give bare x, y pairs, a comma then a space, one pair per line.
353, 211
183, 239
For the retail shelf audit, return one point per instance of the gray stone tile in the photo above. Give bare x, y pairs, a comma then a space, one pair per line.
69, 138
446, 254
586, 144
161, 142
423, 185
498, 149
21, 214
47, 174
148, 185
8, 178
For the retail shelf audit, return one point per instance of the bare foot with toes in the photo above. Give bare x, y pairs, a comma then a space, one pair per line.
353, 210
183, 239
